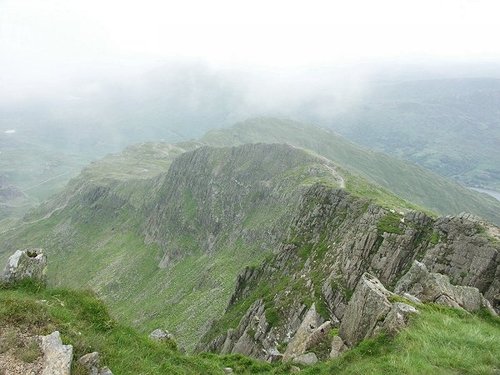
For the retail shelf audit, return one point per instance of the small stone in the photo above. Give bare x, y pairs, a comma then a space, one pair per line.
397, 318
228, 370
294, 370
105, 371
91, 362
160, 335
273, 355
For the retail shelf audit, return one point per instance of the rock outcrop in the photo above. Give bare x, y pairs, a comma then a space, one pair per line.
23, 264
311, 331
434, 287
341, 253
57, 357
369, 311
469, 254
338, 346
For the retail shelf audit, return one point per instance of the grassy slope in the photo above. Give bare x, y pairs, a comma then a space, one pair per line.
85, 323
439, 340
410, 182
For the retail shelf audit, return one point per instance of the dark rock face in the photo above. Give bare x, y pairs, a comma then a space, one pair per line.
334, 240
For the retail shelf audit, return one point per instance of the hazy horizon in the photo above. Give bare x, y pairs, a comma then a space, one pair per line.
53, 48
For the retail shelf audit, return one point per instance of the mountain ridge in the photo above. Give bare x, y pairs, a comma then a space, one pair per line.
117, 226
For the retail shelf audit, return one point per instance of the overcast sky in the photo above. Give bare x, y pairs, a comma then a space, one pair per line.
45, 43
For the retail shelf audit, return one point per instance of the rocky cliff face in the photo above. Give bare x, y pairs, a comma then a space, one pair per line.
164, 246
335, 239
213, 198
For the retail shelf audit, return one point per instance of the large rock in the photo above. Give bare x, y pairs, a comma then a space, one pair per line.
310, 333
57, 357
367, 308
338, 347
23, 264
434, 287
397, 318
306, 359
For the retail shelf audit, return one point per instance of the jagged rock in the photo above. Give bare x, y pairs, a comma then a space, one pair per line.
29, 263
397, 318
294, 370
105, 371
488, 307
434, 287
308, 328
306, 359
370, 312
245, 344
160, 335
417, 217
335, 238
368, 307
411, 298
91, 362
57, 357
338, 347
273, 355
467, 256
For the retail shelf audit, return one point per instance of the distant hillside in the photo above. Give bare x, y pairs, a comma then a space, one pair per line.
408, 181
451, 126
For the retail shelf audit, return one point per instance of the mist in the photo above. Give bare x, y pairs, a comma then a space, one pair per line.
79, 80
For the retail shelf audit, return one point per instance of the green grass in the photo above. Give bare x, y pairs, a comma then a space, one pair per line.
85, 323
390, 223
439, 340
